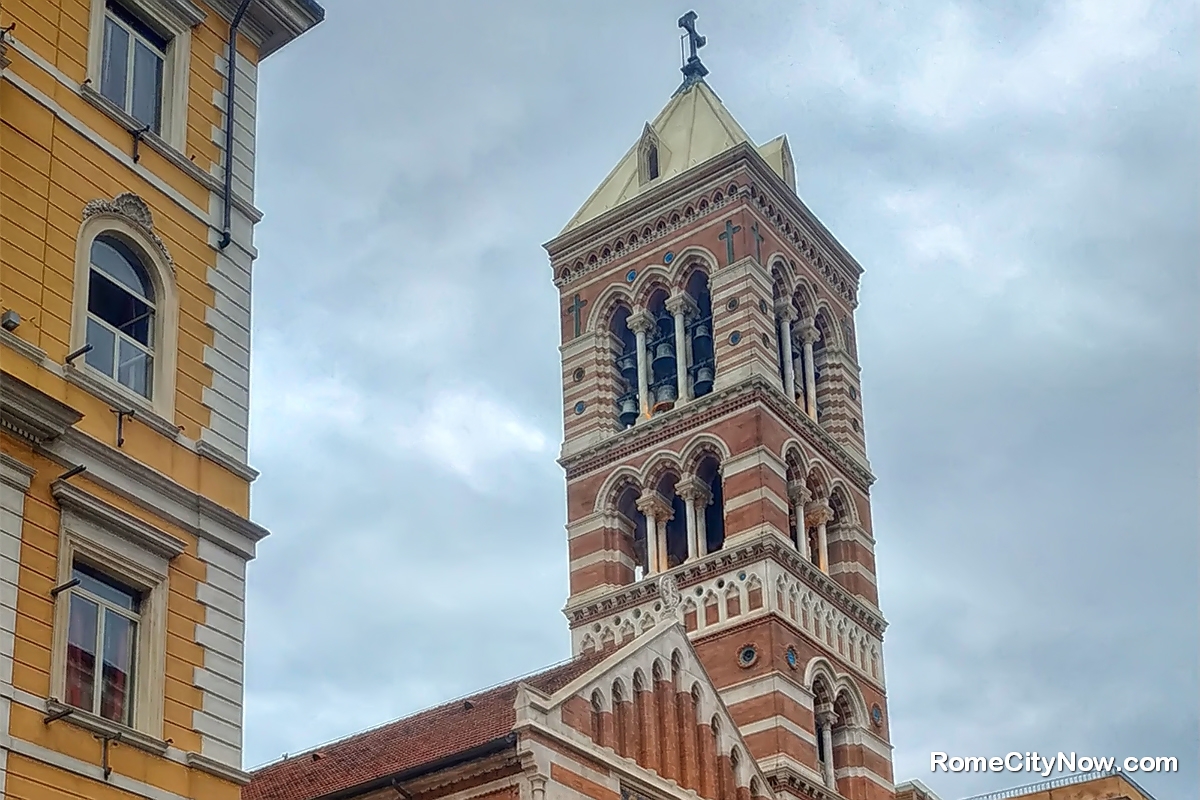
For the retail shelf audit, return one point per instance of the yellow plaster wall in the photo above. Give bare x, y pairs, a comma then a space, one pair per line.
48, 172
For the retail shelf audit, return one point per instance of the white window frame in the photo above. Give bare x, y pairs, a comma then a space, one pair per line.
119, 336
104, 605
175, 20
164, 337
133, 553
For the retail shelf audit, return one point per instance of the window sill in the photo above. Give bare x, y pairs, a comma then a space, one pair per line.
103, 727
217, 769
85, 378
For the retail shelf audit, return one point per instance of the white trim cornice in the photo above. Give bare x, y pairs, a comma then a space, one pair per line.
31, 414
31, 351
116, 521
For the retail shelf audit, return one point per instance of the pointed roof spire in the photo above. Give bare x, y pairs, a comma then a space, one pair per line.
693, 69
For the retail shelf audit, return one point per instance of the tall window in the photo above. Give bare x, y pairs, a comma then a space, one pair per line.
131, 71
652, 162
120, 318
104, 616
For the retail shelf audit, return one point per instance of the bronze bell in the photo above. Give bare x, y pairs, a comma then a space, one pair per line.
664, 358
627, 366
702, 338
628, 410
704, 379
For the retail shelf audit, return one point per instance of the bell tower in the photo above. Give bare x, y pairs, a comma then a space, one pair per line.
714, 452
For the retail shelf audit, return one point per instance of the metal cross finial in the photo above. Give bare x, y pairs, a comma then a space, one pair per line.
688, 23
693, 70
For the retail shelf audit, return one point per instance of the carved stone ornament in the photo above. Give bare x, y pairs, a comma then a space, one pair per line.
668, 592
133, 210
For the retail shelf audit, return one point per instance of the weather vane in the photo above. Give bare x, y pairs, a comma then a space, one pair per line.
693, 70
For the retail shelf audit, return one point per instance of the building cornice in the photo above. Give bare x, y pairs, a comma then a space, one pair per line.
702, 411
31, 414
271, 24
735, 554
825, 251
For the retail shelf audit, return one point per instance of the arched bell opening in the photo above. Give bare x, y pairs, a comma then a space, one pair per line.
664, 390
821, 348
675, 529
703, 368
709, 471
635, 522
625, 368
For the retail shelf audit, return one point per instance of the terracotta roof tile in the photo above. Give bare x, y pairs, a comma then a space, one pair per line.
408, 743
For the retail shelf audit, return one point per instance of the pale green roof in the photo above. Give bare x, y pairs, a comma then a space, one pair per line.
693, 128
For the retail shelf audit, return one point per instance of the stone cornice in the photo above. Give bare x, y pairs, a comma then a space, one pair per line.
127, 477
825, 252
32, 414
217, 769
735, 554
114, 520
704, 410
30, 351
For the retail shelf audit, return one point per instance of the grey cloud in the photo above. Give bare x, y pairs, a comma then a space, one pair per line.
1019, 182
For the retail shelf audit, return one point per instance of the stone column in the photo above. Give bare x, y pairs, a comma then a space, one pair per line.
787, 313
537, 783
681, 307
799, 496
656, 510
695, 497
819, 513
808, 335
641, 323
825, 731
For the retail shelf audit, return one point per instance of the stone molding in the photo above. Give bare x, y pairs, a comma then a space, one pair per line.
704, 410
103, 727
728, 559
30, 351
640, 321
120, 399
217, 769
32, 414
116, 521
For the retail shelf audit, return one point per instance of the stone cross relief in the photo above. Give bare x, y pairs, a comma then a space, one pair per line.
574, 309
758, 240
727, 237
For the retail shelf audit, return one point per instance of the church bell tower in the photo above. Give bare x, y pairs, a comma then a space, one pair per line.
714, 452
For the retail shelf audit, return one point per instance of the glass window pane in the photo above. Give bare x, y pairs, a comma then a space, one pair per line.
119, 308
133, 369
147, 86
81, 653
102, 354
114, 258
116, 692
114, 65
104, 587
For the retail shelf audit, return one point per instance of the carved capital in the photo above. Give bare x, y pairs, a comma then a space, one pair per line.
785, 310
825, 716
640, 322
807, 331
817, 512
654, 504
682, 302
798, 493
690, 487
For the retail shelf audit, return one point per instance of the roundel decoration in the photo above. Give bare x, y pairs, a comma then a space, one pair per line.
793, 660
877, 715
580, 407
668, 257
629, 276
747, 655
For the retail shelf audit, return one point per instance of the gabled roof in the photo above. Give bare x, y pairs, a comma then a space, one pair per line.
425, 738
694, 127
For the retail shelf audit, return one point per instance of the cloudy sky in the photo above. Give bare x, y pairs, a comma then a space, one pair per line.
1021, 187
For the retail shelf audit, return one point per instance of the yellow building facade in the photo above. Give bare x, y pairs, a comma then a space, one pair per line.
126, 246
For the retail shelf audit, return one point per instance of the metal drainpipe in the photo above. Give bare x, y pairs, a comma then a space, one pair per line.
227, 227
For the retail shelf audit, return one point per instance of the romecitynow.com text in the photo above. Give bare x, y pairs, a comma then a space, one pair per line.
1048, 765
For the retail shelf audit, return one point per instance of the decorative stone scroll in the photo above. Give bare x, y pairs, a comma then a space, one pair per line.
132, 210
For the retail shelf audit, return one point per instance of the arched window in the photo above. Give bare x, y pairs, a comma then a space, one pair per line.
635, 521
120, 315
652, 162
